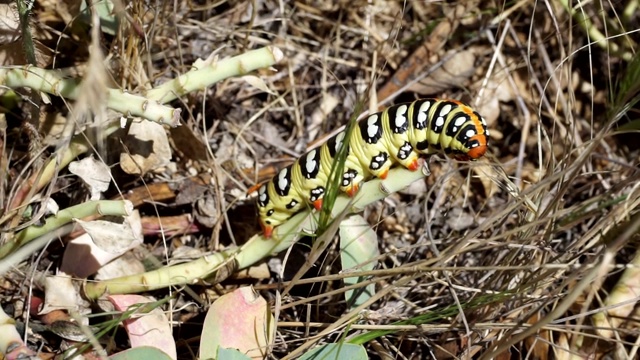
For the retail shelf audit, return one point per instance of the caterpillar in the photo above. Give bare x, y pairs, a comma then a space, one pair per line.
400, 134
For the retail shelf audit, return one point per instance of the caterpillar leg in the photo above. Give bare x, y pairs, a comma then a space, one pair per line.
351, 180
352, 190
317, 204
267, 230
315, 197
379, 165
414, 165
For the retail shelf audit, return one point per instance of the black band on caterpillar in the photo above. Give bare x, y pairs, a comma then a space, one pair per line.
400, 135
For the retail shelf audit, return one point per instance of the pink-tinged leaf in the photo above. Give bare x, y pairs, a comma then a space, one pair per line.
238, 320
140, 353
146, 329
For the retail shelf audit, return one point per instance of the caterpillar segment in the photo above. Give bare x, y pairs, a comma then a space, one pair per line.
401, 134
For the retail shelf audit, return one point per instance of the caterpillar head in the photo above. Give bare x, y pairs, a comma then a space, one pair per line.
275, 209
473, 137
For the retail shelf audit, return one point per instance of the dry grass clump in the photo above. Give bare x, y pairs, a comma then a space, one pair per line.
528, 253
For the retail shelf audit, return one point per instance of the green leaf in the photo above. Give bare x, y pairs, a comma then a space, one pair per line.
104, 8
358, 249
231, 354
141, 353
336, 351
632, 126
240, 320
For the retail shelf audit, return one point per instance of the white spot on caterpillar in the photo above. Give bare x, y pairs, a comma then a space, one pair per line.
445, 110
422, 113
470, 133
439, 121
372, 128
457, 122
311, 163
262, 193
282, 179
401, 116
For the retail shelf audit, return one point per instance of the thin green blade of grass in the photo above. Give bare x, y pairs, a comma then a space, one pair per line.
627, 92
337, 170
433, 316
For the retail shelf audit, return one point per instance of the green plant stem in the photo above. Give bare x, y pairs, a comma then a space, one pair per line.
63, 217
630, 10
176, 275
256, 249
52, 82
595, 35
27, 40
205, 76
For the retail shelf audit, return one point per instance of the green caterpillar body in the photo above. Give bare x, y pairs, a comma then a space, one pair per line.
401, 134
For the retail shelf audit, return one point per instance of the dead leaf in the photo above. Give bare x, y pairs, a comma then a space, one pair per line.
258, 83
454, 72
103, 242
61, 293
490, 96
112, 237
125, 265
147, 148
206, 211
94, 173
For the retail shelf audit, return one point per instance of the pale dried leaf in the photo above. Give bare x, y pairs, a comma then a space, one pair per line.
488, 102
455, 72
416, 188
125, 265
112, 237
147, 148
9, 23
257, 82
61, 293
103, 242
206, 211
94, 173
459, 220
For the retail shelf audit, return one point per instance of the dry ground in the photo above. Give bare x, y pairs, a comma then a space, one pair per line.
509, 257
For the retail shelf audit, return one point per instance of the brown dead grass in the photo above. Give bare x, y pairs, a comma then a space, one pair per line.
506, 258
